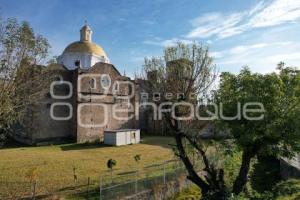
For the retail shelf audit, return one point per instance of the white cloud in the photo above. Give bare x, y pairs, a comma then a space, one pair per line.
215, 24
260, 57
261, 15
206, 18
292, 57
167, 43
246, 49
258, 7
280, 11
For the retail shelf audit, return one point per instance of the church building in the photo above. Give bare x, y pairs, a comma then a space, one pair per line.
87, 97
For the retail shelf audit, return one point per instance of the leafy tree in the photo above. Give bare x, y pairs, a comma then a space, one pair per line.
187, 73
20, 50
137, 158
111, 163
188, 70
277, 132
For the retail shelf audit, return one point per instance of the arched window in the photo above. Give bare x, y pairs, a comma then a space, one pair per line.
116, 86
93, 83
130, 89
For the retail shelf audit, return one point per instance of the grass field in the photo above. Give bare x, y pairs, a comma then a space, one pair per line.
54, 164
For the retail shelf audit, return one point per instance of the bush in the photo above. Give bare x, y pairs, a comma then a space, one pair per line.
266, 174
232, 165
287, 190
190, 193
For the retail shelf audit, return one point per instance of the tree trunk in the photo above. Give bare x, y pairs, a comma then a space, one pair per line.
242, 178
213, 182
192, 174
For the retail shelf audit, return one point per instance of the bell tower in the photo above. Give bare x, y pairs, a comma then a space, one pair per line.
86, 34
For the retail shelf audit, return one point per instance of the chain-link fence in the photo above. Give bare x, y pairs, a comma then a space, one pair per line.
24, 190
108, 186
136, 181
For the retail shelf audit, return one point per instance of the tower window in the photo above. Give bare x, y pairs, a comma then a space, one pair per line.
93, 83
116, 86
77, 63
129, 89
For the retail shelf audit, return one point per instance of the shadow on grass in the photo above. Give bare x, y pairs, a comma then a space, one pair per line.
83, 146
75, 187
11, 144
46, 196
163, 141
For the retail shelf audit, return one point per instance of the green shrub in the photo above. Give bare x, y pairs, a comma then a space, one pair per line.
190, 193
287, 190
266, 174
232, 164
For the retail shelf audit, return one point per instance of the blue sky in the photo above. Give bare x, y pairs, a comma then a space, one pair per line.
254, 33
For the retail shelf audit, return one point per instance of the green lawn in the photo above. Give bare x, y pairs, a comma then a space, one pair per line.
55, 164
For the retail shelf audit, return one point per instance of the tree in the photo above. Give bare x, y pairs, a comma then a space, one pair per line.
188, 70
186, 73
111, 163
137, 158
20, 52
277, 133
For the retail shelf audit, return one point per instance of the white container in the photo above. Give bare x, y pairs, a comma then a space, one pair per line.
122, 137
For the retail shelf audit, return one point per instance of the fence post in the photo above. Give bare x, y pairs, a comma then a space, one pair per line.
164, 172
136, 183
33, 189
88, 187
100, 187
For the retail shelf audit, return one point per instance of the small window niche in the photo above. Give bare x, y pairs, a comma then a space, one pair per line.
130, 90
93, 83
77, 63
116, 86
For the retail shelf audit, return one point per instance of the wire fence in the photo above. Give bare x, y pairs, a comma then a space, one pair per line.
136, 181
109, 185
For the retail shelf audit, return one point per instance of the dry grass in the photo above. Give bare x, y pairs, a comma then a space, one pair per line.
55, 164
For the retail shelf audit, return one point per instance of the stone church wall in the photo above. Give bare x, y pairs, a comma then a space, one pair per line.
96, 105
50, 129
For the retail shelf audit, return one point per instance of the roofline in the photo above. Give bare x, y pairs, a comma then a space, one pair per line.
103, 63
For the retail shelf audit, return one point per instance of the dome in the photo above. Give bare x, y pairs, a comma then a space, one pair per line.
83, 53
85, 47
